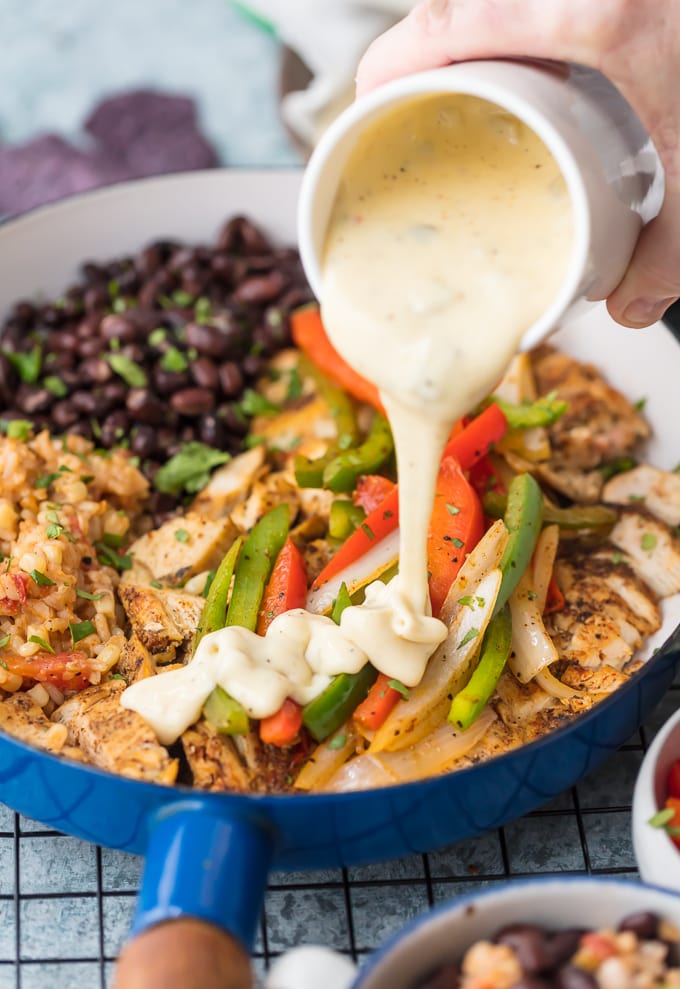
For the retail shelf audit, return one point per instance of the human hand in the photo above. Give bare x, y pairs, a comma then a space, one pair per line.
636, 43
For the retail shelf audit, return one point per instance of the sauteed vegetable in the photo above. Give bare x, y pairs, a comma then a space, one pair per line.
549, 551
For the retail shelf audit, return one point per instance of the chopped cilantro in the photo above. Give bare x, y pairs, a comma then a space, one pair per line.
189, 469
182, 298
81, 630
156, 584
181, 535
294, 389
113, 539
87, 478
131, 373
88, 596
119, 304
468, 637
640, 404
202, 310
27, 366
532, 595
344, 441
367, 530
253, 404
399, 686
41, 579
41, 642
157, 336
458, 543
337, 742
109, 557
18, 429
255, 439
54, 530
617, 557
174, 360
4, 641
114, 288
116, 676
648, 541
452, 509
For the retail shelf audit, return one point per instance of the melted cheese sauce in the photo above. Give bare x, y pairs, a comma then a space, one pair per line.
450, 235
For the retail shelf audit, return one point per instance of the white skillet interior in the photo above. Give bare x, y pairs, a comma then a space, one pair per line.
40, 254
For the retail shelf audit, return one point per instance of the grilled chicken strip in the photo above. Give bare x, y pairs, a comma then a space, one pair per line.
269, 766
21, 717
135, 662
164, 620
652, 549
183, 546
229, 485
658, 490
213, 760
600, 424
114, 738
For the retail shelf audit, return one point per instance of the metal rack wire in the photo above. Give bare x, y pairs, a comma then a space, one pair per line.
65, 906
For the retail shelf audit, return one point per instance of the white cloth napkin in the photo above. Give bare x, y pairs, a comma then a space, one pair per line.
330, 37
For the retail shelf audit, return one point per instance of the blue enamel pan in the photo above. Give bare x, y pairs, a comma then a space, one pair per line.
208, 855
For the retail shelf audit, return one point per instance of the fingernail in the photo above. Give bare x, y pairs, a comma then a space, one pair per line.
646, 311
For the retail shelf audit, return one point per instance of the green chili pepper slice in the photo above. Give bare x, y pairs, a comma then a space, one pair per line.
343, 519
574, 517
342, 472
224, 714
527, 415
309, 473
523, 518
214, 614
258, 556
469, 703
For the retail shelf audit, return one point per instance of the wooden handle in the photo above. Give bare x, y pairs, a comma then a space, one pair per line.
183, 954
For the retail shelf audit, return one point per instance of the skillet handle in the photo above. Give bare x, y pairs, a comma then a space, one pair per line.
187, 954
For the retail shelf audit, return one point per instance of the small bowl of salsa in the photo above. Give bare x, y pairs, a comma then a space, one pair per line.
656, 809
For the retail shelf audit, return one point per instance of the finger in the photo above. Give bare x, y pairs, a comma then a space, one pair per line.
438, 32
652, 282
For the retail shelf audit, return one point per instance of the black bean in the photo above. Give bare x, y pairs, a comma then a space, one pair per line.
231, 379
260, 288
64, 340
135, 352
194, 279
211, 430
644, 924
128, 282
529, 942
260, 262
276, 325
222, 267
7, 380
117, 326
187, 434
95, 370
96, 298
207, 340
94, 274
88, 327
115, 427
149, 261
181, 258
24, 313
164, 437
204, 373
68, 376
146, 407
562, 945
143, 443
115, 392
571, 977
81, 428
167, 382
253, 365
63, 414
52, 315
193, 401
89, 348
239, 235
233, 419
87, 403
65, 362
32, 399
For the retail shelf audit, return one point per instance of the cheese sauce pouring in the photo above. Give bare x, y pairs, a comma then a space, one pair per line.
450, 235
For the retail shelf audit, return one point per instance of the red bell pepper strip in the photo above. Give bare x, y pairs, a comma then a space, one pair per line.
372, 712
66, 670
472, 442
377, 524
456, 526
282, 729
371, 490
287, 587
484, 478
310, 336
555, 600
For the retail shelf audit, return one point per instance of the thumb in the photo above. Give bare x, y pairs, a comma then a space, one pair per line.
652, 282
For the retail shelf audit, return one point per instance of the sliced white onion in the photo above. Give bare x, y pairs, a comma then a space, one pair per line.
367, 568
532, 647
544, 561
552, 685
484, 558
327, 758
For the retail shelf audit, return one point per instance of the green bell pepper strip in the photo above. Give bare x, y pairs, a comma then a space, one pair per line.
309, 473
224, 714
575, 517
526, 415
344, 518
214, 614
523, 518
334, 705
342, 472
258, 556
469, 703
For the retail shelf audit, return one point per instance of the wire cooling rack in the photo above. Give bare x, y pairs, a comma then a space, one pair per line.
66, 906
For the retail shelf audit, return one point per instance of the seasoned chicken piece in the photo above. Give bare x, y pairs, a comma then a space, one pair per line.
604, 680
596, 624
163, 619
282, 379
135, 662
316, 555
316, 501
274, 489
114, 738
229, 485
530, 712
269, 766
213, 760
658, 490
21, 717
652, 549
584, 571
577, 485
310, 419
184, 546
497, 740
600, 424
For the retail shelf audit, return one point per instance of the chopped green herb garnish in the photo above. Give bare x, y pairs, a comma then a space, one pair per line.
255, 439
648, 541
156, 584
88, 596
617, 557
181, 535
28, 365
640, 404
87, 478
19, 429
458, 543
400, 687
294, 389
174, 360
81, 630
189, 469
532, 595
110, 558
182, 298
119, 305
116, 676
114, 288
253, 404
345, 441
452, 509
3, 642
41, 579
157, 336
337, 742
468, 637
113, 539
131, 373
367, 529
636, 498
54, 530
41, 642
202, 310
